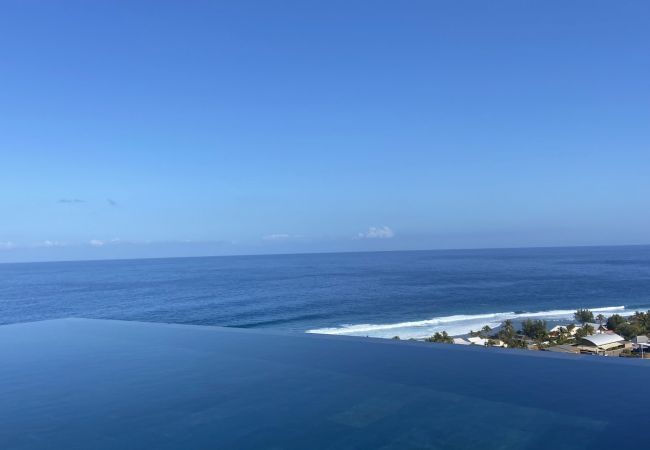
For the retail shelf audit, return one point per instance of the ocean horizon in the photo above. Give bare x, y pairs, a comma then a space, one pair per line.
411, 294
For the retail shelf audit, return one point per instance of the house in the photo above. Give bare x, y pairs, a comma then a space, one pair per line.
598, 328
604, 344
557, 330
571, 329
477, 340
641, 345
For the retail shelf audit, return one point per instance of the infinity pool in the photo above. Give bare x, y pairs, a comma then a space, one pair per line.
97, 384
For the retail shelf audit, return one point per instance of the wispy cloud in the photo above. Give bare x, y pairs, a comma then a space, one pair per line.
96, 243
382, 232
48, 243
7, 245
70, 200
111, 202
276, 237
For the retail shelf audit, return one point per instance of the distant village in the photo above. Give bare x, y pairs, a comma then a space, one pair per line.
615, 335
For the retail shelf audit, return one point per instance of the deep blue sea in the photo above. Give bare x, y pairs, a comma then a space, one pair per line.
410, 294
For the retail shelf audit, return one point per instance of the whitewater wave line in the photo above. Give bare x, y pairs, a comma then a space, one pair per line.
455, 324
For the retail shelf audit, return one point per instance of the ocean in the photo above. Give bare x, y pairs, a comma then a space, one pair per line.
382, 294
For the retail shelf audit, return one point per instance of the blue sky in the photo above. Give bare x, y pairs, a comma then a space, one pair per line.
138, 129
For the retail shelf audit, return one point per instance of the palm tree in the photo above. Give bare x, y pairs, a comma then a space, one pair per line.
443, 338
600, 318
507, 331
485, 330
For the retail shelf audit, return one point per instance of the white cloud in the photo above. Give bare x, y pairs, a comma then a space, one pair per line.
382, 232
7, 245
276, 237
96, 243
48, 243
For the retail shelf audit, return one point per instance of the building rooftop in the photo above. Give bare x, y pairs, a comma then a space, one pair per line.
563, 348
600, 340
94, 384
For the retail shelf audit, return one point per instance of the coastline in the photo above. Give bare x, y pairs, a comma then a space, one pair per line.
462, 324
622, 333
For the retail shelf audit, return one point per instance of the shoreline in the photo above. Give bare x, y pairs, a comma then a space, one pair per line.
460, 325
588, 333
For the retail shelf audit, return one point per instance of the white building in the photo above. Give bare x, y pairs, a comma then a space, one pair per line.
477, 340
598, 328
603, 343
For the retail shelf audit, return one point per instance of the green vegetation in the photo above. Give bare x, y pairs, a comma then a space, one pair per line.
637, 324
640, 323
442, 338
483, 333
507, 332
584, 331
642, 320
508, 335
615, 321
629, 330
535, 329
564, 336
583, 316
536, 332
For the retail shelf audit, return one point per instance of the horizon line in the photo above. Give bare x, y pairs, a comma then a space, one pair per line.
351, 252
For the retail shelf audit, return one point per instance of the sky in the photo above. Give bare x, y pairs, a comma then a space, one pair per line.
154, 128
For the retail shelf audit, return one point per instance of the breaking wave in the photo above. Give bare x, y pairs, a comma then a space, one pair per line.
455, 325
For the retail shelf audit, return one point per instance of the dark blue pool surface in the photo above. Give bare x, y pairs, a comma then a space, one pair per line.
96, 384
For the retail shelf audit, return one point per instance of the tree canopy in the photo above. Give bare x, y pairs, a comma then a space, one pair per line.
615, 321
586, 330
583, 316
534, 329
642, 321
507, 331
442, 338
